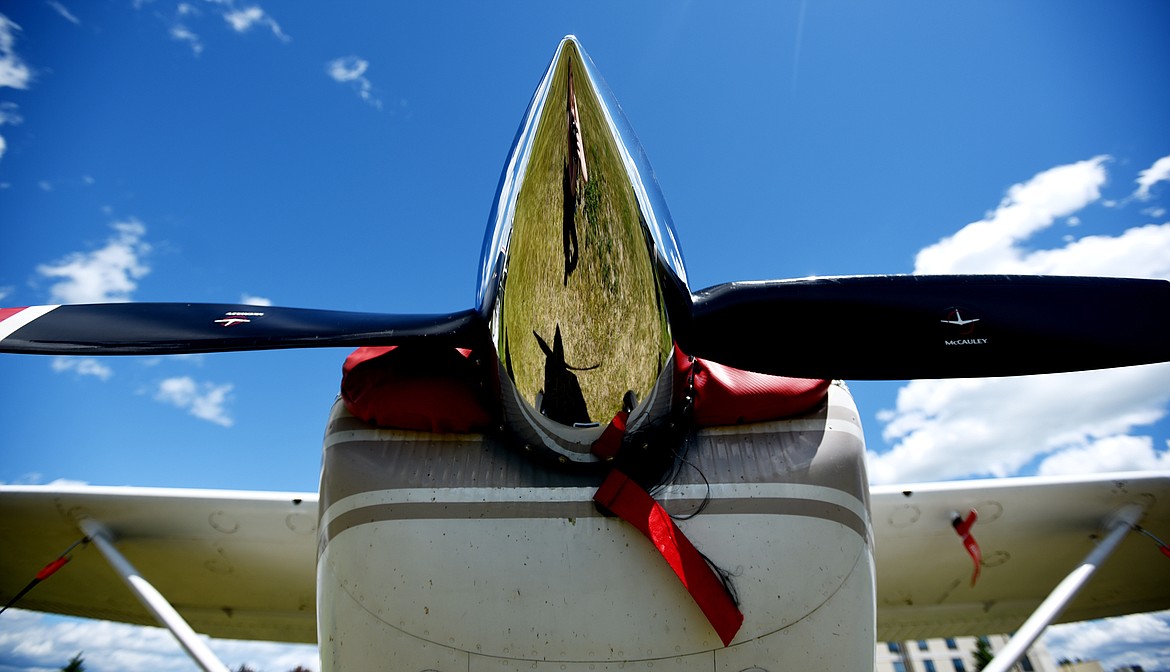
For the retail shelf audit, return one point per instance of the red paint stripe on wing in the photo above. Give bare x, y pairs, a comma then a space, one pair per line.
6, 313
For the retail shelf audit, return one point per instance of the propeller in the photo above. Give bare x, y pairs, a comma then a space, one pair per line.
861, 327
897, 327
173, 328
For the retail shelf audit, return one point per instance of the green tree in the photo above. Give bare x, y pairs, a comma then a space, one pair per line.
75, 664
983, 654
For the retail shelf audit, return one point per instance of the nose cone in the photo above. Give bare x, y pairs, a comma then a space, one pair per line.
578, 254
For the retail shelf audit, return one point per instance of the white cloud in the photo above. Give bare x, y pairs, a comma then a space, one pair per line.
64, 12
990, 245
183, 25
242, 20
5, 291
65, 482
35, 641
1067, 423
352, 70
182, 33
13, 70
205, 401
82, 366
9, 114
1140, 639
1159, 172
251, 300
104, 275
347, 68
1140, 252
1109, 454
13, 73
945, 429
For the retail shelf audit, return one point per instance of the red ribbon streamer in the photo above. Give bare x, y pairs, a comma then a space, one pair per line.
627, 500
963, 528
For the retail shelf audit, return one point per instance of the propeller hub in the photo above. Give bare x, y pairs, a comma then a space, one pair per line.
577, 268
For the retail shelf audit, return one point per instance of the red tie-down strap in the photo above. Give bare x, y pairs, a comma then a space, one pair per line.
628, 501
47, 571
610, 442
963, 528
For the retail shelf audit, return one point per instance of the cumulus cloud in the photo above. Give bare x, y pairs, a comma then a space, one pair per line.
1068, 423
82, 366
944, 429
1141, 639
1159, 172
104, 275
35, 641
1109, 454
206, 401
352, 70
991, 245
251, 300
1139, 252
13, 70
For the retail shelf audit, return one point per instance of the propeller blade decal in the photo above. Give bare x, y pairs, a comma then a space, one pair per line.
12, 319
171, 328
908, 326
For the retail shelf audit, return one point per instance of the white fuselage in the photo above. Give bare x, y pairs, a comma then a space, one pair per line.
455, 553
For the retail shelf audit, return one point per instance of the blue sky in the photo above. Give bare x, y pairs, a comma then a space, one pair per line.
346, 155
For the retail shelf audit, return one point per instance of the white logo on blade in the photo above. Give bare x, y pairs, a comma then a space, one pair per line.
233, 318
964, 326
956, 318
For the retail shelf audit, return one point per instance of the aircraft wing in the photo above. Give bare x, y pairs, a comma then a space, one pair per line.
1032, 533
240, 565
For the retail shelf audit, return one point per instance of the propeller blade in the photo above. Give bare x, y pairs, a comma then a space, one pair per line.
910, 326
174, 328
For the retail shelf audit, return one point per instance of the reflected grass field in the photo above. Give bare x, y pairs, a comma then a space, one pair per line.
607, 308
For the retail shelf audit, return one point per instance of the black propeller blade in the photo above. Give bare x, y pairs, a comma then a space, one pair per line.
864, 327
171, 328
908, 326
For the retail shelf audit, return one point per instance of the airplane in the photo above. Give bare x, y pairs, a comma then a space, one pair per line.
677, 482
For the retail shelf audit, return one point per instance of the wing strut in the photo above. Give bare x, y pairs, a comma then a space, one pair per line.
152, 599
1120, 525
